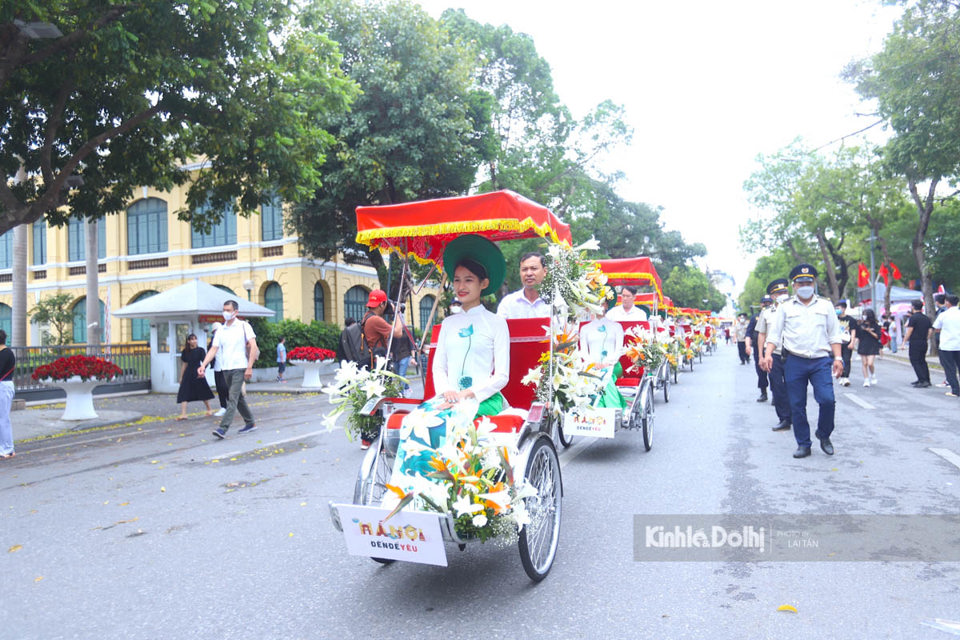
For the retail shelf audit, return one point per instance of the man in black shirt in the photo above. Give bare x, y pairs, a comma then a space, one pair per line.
918, 330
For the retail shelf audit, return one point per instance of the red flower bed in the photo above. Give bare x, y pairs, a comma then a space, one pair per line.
311, 354
87, 367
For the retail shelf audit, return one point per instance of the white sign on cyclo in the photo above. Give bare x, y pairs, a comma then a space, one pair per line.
590, 421
410, 536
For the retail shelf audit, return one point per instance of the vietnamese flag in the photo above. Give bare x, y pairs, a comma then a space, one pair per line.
883, 273
863, 276
895, 272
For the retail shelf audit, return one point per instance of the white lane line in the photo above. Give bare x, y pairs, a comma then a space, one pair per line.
83, 442
946, 454
863, 403
575, 450
266, 445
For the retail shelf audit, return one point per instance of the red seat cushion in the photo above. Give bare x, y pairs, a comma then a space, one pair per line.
628, 382
503, 424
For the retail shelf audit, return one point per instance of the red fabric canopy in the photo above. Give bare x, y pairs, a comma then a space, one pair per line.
633, 272
423, 229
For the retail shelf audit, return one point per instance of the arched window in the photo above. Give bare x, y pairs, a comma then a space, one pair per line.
224, 287
147, 226
80, 320
355, 302
6, 315
6, 250
40, 242
77, 239
273, 300
271, 219
319, 311
140, 327
222, 233
426, 306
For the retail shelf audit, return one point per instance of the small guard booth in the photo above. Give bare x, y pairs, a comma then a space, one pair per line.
176, 313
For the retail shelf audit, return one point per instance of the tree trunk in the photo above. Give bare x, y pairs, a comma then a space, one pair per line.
828, 265
886, 261
924, 211
93, 286
18, 325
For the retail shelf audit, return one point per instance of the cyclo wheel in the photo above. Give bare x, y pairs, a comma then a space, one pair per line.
539, 539
566, 441
372, 479
647, 417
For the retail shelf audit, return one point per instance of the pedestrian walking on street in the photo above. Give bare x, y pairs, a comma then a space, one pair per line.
8, 364
192, 386
808, 334
940, 303
752, 342
778, 386
740, 329
847, 325
281, 359
238, 344
223, 391
947, 325
866, 339
917, 334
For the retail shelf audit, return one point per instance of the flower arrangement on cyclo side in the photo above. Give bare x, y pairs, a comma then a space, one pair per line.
573, 382
84, 367
353, 387
647, 349
473, 480
310, 354
574, 284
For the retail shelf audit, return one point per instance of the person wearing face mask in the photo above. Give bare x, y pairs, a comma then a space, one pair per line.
753, 348
847, 326
236, 343
808, 334
778, 387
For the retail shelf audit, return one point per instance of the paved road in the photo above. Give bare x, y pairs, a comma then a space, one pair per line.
157, 531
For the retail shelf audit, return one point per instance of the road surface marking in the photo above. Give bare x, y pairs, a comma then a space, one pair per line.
948, 455
266, 445
83, 442
863, 403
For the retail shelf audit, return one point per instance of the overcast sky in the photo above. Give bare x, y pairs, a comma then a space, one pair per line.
707, 86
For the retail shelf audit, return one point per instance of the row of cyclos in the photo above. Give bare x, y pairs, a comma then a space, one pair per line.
428, 480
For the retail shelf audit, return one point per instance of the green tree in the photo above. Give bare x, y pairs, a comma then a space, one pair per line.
415, 132
767, 269
689, 287
131, 92
56, 312
915, 82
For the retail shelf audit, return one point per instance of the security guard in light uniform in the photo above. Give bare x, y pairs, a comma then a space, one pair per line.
807, 331
778, 387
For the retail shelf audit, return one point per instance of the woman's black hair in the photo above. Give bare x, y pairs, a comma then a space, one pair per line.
473, 267
3, 337
870, 316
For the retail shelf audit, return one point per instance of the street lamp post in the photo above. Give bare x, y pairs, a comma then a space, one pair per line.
873, 284
248, 285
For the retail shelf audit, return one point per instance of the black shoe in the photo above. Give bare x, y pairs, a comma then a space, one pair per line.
826, 445
914, 383
801, 452
220, 433
763, 398
783, 426
247, 428
922, 385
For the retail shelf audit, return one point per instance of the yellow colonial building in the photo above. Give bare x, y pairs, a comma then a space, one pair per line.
147, 249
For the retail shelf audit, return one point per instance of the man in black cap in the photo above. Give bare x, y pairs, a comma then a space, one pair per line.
778, 387
808, 334
753, 348
847, 324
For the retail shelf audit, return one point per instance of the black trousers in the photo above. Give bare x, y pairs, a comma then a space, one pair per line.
918, 358
742, 352
761, 374
846, 353
778, 387
223, 390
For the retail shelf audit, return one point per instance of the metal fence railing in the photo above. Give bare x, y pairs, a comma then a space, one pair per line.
133, 358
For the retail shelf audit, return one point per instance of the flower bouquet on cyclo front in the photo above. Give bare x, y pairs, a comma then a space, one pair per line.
452, 465
646, 349
352, 387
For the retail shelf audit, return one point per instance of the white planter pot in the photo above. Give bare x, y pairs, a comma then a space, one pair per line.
311, 372
79, 398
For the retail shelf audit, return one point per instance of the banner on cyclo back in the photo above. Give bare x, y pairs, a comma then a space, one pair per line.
590, 421
410, 536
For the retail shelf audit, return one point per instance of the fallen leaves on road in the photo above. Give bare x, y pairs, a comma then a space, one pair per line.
787, 607
15, 548
38, 579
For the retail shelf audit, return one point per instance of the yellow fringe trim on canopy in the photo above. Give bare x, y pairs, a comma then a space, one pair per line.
447, 228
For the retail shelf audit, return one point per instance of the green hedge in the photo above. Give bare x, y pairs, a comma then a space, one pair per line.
298, 334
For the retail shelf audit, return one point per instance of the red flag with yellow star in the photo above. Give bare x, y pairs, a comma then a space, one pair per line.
863, 276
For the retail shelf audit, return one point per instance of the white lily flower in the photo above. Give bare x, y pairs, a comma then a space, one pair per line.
521, 516
463, 505
590, 245
500, 498
480, 520
330, 421
533, 377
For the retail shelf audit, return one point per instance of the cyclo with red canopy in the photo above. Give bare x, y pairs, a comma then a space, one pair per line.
421, 230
